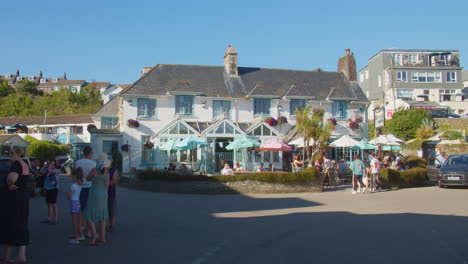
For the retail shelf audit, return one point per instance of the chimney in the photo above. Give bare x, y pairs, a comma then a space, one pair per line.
230, 61
64, 76
145, 70
347, 65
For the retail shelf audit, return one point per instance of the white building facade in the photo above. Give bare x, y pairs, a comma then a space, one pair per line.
218, 104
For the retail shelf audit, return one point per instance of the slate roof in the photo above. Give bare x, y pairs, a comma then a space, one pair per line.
252, 82
51, 120
6, 137
60, 82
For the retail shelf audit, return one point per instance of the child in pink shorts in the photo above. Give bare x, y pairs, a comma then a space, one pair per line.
75, 207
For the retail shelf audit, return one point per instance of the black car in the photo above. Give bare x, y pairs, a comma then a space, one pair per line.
454, 172
439, 114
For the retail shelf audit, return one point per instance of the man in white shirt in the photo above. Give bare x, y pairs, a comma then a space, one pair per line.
375, 173
440, 160
227, 170
86, 164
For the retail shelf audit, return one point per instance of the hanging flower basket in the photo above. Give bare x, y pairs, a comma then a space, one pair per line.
125, 147
133, 123
271, 121
91, 128
149, 145
358, 119
332, 121
282, 120
353, 124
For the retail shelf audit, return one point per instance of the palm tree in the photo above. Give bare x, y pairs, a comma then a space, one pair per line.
314, 130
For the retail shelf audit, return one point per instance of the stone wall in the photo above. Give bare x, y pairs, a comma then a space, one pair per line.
205, 187
456, 123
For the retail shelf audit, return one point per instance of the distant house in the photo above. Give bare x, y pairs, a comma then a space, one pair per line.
66, 129
220, 103
111, 91
393, 75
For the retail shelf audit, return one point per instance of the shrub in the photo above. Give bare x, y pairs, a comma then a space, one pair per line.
307, 175
452, 135
43, 150
403, 179
405, 123
415, 144
424, 132
413, 177
416, 162
30, 139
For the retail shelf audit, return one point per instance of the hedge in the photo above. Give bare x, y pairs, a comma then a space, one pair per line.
307, 175
416, 162
404, 179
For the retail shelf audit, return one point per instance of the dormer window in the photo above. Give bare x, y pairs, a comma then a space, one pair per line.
19, 78
43, 80
54, 80
7, 76
31, 78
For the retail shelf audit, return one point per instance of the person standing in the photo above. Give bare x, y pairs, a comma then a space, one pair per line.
51, 187
74, 198
358, 168
327, 165
96, 210
87, 165
14, 205
297, 164
440, 160
375, 173
111, 194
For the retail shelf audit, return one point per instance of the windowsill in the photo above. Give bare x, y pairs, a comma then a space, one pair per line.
262, 115
186, 115
147, 118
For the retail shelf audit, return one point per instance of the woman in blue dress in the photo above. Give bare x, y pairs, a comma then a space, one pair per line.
96, 209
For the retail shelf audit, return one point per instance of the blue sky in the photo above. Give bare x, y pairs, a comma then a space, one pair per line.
112, 40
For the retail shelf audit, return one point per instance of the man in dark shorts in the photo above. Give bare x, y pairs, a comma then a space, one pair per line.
86, 164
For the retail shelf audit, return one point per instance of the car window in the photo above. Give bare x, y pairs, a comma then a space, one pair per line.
458, 161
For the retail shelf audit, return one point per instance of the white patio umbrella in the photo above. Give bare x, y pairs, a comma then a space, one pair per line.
299, 142
383, 140
394, 138
345, 141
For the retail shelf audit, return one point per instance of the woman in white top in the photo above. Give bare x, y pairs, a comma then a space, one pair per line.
227, 170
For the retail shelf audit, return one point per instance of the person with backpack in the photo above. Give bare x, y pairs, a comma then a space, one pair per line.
51, 187
358, 168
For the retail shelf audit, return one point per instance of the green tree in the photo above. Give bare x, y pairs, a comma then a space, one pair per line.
314, 130
43, 150
405, 123
5, 88
26, 86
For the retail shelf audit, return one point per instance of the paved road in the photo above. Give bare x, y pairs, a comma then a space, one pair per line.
421, 225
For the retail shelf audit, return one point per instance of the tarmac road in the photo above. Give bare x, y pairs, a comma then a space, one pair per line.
419, 225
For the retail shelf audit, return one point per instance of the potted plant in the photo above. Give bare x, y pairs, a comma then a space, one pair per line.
332, 121
282, 120
271, 121
133, 123
353, 124
149, 145
125, 147
91, 128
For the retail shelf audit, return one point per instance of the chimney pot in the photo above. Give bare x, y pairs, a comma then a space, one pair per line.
348, 51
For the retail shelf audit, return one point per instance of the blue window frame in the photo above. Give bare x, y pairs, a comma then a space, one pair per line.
262, 106
221, 109
110, 146
340, 109
184, 104
109, 122
146, 107
296, 104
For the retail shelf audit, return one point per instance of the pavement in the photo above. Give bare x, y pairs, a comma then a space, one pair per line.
418, 225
